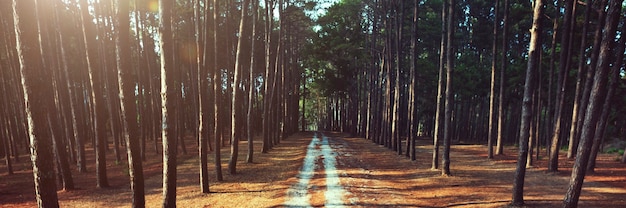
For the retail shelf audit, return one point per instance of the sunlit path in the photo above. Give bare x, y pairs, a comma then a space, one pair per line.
299, 195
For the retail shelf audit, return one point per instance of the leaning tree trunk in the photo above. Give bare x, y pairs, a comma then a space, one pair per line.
128, 105
37, 87
594, 107
534, 51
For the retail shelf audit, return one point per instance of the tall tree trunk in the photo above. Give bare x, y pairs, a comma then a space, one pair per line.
533, 65
594, 107
217, 90
492, 88
413, 121
251, 86
37, 88
439, 109
449, 105
268, 66
576, 116
235, 124
553, 160
89, 39
202, 111
592, 69
395, 122
169, 96
504, 63
128, 105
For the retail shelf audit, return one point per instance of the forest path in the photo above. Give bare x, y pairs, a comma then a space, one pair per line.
319, 152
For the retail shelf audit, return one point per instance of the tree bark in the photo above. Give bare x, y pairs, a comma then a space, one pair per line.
37, 88
169, 97
594, 107
533, 64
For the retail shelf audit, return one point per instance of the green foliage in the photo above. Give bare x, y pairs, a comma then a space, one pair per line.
614, 150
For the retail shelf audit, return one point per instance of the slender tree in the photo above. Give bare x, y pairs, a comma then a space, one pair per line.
534, 51
217, 90
202, 111
576, 112
449, 101
251, 81
562, 85
234, 147
37, 88
439, 109
492, 92
503, 66
98, 104
168, 100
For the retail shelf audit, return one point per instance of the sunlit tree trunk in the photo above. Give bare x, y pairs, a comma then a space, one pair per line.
168, 98
492, 88
37, 87
504, 63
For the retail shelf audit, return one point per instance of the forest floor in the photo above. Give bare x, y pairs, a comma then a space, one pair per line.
361, 173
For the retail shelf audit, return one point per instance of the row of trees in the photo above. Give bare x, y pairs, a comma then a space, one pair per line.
79, 73
377, 63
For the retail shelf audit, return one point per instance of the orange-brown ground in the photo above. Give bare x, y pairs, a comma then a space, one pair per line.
371, 175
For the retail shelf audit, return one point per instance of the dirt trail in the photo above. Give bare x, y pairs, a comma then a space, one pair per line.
346, 172
317, 150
